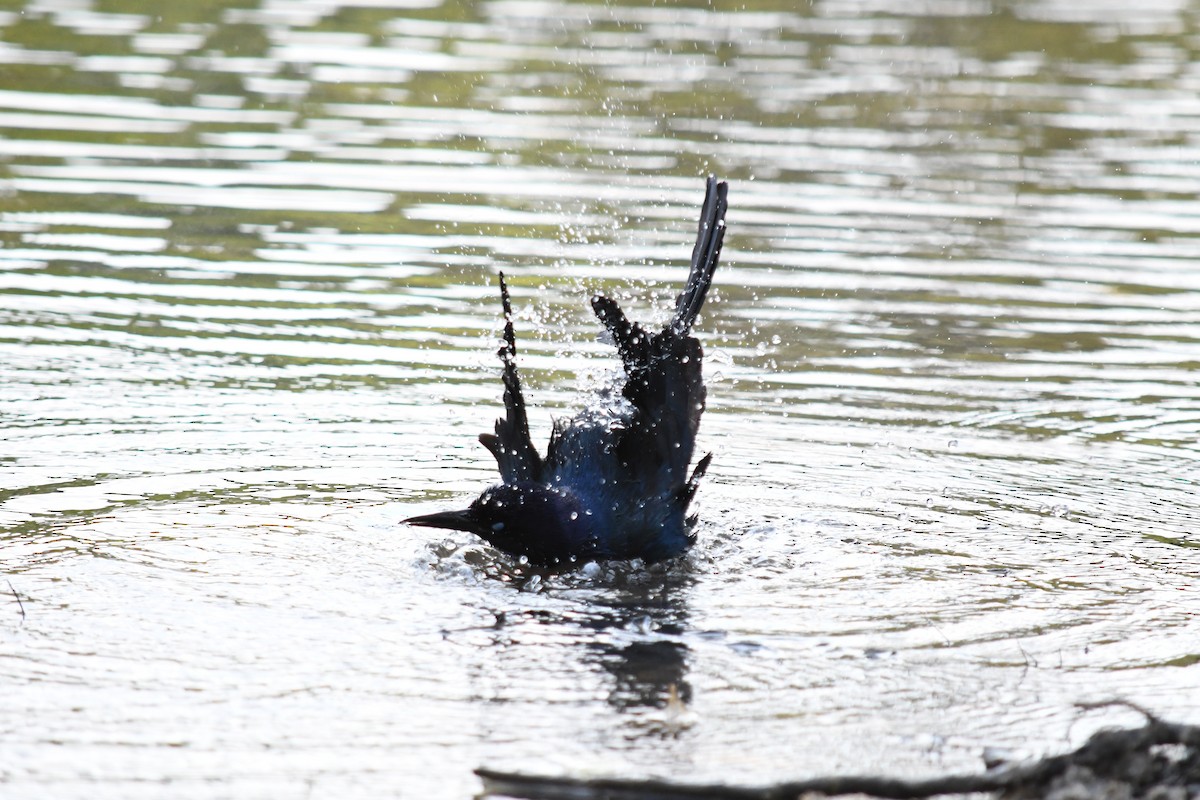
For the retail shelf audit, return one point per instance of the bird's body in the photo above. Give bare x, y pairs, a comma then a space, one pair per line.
614, 483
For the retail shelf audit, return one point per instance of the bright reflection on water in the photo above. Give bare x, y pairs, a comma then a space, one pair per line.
248, 258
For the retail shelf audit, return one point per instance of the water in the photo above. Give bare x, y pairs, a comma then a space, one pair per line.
249, 320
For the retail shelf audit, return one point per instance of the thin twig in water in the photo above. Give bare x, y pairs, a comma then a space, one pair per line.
20, 605
1116, 701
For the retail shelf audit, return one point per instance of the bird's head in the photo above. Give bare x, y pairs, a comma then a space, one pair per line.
549, 526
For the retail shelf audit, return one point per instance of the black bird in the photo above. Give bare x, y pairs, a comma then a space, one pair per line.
614, 483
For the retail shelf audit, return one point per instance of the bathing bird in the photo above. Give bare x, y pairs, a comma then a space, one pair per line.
614, 483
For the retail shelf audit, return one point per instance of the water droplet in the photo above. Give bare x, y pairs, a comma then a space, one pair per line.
574, 515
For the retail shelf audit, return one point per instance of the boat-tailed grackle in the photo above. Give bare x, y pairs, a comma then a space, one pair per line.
614, 483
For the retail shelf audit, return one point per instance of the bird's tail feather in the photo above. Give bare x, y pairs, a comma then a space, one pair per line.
630, 338
705, 256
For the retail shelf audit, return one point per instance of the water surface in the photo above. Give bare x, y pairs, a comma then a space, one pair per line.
249, 320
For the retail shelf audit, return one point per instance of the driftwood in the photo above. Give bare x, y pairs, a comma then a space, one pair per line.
1159, 761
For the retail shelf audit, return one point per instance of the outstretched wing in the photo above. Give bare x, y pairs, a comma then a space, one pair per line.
663, 370
515, 454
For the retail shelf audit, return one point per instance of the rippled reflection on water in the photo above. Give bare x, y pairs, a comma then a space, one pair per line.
247, 268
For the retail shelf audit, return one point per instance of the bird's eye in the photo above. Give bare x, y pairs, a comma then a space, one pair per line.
497, 526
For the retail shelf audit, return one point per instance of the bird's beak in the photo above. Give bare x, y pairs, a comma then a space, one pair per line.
453, 520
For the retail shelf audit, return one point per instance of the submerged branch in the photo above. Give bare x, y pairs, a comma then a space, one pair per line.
1132, 759
534, 787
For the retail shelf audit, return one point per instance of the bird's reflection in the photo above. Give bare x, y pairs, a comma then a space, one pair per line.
639, 643
627, 627
647, 674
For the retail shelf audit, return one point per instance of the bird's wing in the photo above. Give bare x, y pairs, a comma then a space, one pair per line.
515, 454
663, 370
667, 391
